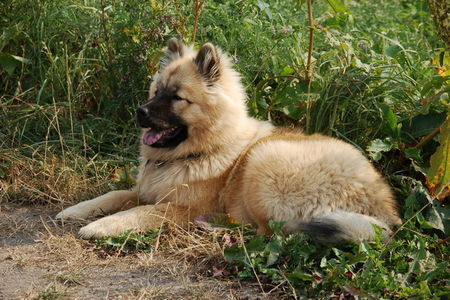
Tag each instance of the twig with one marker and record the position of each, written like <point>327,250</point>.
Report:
<point>46,227</point>
<point>124,243</point>
<point>389,241</point>
<point>241,235</point>
<point>159,233</point>
<point>289,283</point>
<point>443,241</point>
<point>428,138</point>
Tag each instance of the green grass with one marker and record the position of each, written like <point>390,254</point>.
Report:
<point>73,72</point>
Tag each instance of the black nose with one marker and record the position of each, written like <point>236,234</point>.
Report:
<point>143,115</point>
<point>142,112</point>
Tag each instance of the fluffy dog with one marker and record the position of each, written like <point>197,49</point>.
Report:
<point>201,152</point>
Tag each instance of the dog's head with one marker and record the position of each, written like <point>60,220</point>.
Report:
<point>194,96</point>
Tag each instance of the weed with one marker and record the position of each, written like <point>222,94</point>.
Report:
<point>50,293</point>
<point>69,279</point>
<point>130,242</point>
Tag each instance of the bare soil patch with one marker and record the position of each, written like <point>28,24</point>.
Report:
<point>42,259</point>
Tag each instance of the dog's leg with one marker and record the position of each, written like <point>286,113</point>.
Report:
<point>108,203</point>
<point>139,219</point>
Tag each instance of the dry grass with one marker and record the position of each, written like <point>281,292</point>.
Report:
<point>45,178</point>
<point>48,261</point>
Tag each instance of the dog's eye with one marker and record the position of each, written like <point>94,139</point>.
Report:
<point>178,98</point>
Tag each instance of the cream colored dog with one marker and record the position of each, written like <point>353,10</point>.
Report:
<point>201,152</point>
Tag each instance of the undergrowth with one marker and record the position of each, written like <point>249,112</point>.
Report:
<point>409,265</point>
<point>72,73</point>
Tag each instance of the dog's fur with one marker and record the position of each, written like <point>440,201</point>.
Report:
<point>227,161</point>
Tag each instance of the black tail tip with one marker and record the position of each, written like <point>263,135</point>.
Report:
<point>324,232</point>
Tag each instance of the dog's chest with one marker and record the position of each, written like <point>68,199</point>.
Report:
<point>178,184</point>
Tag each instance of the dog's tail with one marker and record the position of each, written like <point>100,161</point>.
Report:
<point>340,226</point>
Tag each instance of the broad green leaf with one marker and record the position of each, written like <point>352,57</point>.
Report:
<point>413,153</point>
<point>393,50</point>
<point>438,217</point>
<point>392,121</point>
<point>435,218</point>
<point>275,248</point>
<point>422,125</point>
<point>376,147</point>
<point>234,254</point>
<point>411,204</point>
<point>9,63</point>
<point>256,244</point>
<point>438,177</point>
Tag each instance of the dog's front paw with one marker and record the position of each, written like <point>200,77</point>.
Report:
<point>79,211</point>
<point>72,213</point>
<point>107,226</point>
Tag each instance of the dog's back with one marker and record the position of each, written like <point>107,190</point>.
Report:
<point>316,184</point>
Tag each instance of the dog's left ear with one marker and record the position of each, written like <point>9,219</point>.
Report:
<point>208,62</point>
<point>175,49</point>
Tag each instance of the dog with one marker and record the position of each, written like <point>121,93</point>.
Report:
<point>201,153</point>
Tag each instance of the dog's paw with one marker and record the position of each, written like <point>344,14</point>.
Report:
<point>81,211</point>
<point>107,226</point>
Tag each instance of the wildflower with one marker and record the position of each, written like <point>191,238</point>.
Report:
<point>287,29</point>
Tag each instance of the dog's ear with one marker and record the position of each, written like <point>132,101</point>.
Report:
<point>208,62</point>
<point>175,49</point>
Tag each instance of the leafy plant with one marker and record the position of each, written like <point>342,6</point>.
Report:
<point>129,241</point>
<point>367,270</point>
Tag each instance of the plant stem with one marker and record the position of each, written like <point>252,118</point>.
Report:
<point>428,138</point>
<point>311,40</point>
<point>105,32</point>
<point>198,6</point>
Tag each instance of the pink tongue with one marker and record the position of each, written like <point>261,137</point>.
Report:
<point>151,137</point>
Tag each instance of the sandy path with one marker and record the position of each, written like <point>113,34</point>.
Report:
<point>43,259</point>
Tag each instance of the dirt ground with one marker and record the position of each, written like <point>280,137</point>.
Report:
<point>43,259</point>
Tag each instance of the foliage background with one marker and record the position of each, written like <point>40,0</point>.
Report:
<point>73,72</point>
